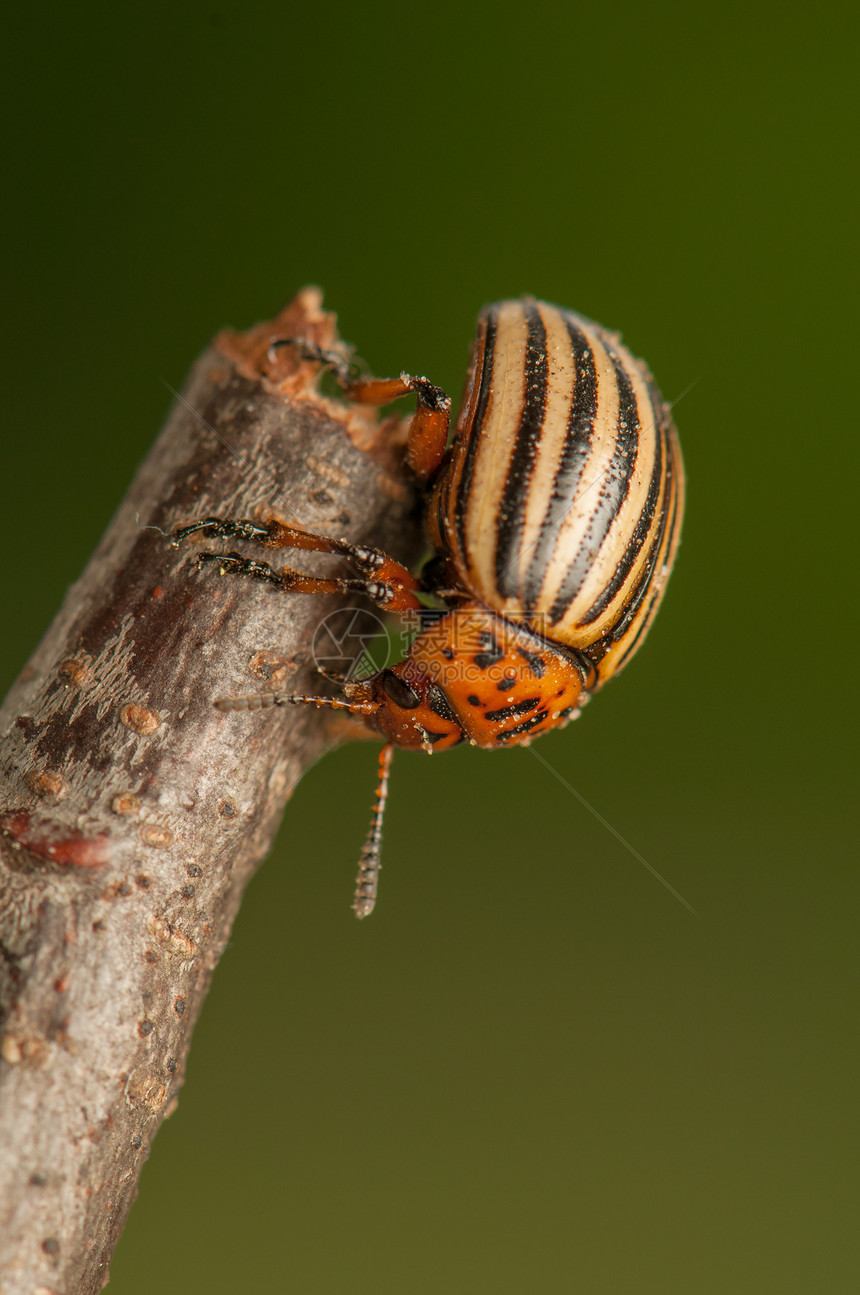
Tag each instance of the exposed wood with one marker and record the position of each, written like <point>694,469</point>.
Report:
<point>132,812</point>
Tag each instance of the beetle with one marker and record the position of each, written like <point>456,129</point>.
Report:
<point>553,515</point>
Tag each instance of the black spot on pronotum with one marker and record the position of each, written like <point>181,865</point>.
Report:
<point>526,726</point>
<point>432,737</point>
<point>511,712</point>
<point>535,663</point>
<point>491,653</point>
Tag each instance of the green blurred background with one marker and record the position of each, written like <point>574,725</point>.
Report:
<point>533,1069</point>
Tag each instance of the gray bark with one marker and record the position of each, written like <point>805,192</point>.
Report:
<point>132,812</point>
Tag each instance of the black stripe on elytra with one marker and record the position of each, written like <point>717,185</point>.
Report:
<point>611,493</point>
<point>511,712</point>
<point>512,510</point>
<point>640,611</point>
<point>668,523</point>
<point>461,500</point>
<point>641,529</point>
<point>490,654</point>
<point>572,460</point>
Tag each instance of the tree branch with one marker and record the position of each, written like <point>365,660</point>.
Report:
<point>132,812</point>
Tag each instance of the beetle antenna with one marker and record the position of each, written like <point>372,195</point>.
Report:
<point>367,882</point>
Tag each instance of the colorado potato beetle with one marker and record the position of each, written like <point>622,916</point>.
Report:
<point>554,516</point>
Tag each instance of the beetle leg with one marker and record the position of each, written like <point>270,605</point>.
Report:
<point>388,597</point>
<point>428,431</point>
<point>337,365</point>
<point>385,581</point>
<point>222,529</point>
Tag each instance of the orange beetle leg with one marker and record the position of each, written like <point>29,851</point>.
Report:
<point>380,577</point>
<point>428,431</point>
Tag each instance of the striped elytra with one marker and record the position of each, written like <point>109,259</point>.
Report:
<point>554,516</point>
<point>561,502</point>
